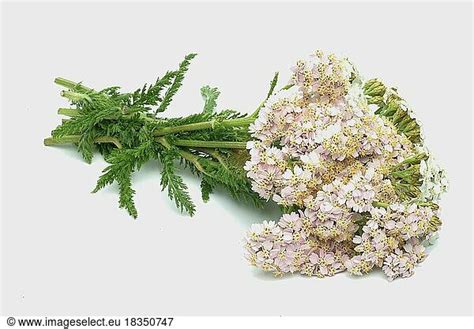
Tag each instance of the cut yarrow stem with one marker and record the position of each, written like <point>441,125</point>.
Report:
<point>343,157</point>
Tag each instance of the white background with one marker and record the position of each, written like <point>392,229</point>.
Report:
<point>66,251</point>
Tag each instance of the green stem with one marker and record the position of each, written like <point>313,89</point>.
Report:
<point>71,139</point>
<point>239,122</point>
<point>68,112</point>
<point>209,144</point>
<point>71,84</point>
<point>73,96</point>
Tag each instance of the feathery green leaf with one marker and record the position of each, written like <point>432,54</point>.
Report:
<point>177,82</point>
<point>177,190</point>
<point>210,96</point>
<point>122,164</point>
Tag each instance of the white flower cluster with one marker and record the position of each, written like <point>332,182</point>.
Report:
<point>435,181</point>
<point>320,150</point>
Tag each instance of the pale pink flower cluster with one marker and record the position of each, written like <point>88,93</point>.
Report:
<point>324,77</point>
<point>336,205</point>
<point>401,263</point>
<point>299,143</point>
<point>392,240</point>
<point>319,149</point>
<point>289,246</point>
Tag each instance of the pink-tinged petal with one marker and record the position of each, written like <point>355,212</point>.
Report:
<point>267,245</point>
<point>314,258</point>
<point>390,225</point>
<point>329,258</point>
<point>323,270</point>
<point>287,237</point>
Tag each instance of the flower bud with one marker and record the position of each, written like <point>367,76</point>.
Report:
<point>378,100</point>
<point>374,87</point>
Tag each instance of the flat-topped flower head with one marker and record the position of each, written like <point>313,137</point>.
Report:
<point>323,77</point>
<point>300,144</point>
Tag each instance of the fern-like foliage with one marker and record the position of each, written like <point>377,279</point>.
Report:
<point>122,164</point>
<point>207,187</point>
<point>177,82</point>
<point>226,169</point>
<point>151,95</point>
<point>210,96</point>
<point>85,124</point>
<point>177,190</point>
<point>126,129</point>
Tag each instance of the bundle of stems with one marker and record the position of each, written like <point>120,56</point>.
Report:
<point>128,129</point>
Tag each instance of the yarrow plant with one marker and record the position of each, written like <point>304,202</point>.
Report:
<point>343,157</point>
